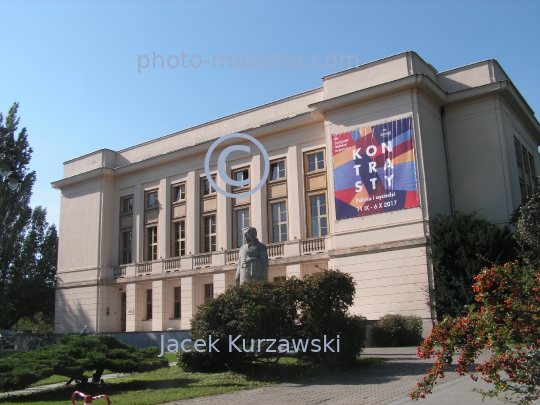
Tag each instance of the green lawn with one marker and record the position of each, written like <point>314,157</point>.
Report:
<point>170,384</point>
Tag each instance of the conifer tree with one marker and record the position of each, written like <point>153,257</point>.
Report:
<point>28,245</point>
<point>460,246</point>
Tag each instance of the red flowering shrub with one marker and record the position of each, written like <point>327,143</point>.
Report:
<point>506,322</point>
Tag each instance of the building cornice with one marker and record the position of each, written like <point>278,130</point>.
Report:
<point>82,177</point>
<point>360,96</point>
<point>285,124</point>
<point>505,88</point>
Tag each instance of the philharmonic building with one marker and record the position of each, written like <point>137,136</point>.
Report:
<point>357,168</point>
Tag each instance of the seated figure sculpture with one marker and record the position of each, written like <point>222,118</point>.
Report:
<point>252,259</point>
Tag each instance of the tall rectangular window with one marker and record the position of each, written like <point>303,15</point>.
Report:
<point>319,216</point>
<point>149,304</point>
<point>279,221</point>
<point>126,246</point>
<point>151,243</point>
<point>241,175</point>
<point>526,170</point>
<point>277,202</point>
<point>207,188</point>
<point>180,238</point>
<point>208,292</point>
<point>177,302</point>
<point>126,206</point>
<point>152,200</point>
<point>179,193</point>
<point>315,183</point>
<point>242,221</point>
<point>209,233</point>
<point>126,227</point>
<point>277,170</point>
<point>315,161</point>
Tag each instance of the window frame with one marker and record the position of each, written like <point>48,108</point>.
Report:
<point>234,176</point>
<point>238,231</point>
<point>123,249</point>
<point>147,199</point>
<point>526,169</point>
<point>212,191</point>
<point>176,187</point>
<point>271,220</point>
<point>310,215</point>
<point>315,192</point>
<point>130,205</point>
<point>176,248</point>
<point>277,162</point>
<point>151,246</point>
<point>307,154</point>
<point>177,302</point>
<point>210,235</point>
<point>149,309</point>
<point>208,292</point>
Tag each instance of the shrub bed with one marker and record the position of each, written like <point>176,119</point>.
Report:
<point>394,330</point>
<point>273,316</point>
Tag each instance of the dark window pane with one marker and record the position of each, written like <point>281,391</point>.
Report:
<point>311,162</point>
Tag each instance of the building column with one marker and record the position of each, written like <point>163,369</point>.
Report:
<point>223,216</point>
<point>131,304</point>
<point>256,203</point>
<point>138,224</point>
<point>159,305</point>
<point>188,301</point>
<point>256,209</point>
<point>164,223</point>
<point>192,213</point>
<point>295,197</point>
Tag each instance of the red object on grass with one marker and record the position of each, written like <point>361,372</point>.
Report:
<point>88,398</point>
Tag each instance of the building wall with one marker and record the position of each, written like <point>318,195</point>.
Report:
<point>385,253</point>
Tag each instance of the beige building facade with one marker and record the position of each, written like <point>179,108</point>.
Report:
<point>145,239</point>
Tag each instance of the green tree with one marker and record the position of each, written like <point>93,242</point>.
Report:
<point>28,245</point>
<point>460,246</point>
<point>505,324</point>
<point>73,357</point>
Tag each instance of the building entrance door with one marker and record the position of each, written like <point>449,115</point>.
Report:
<point>123,313</point>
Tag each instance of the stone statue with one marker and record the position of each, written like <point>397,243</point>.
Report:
<point>252,259</point>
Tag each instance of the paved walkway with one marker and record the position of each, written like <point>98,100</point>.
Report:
<point>388,383</point>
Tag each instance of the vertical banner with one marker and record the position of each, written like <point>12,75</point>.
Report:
<point>374,170</point>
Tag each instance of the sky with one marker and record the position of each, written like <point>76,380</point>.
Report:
<point>86,78</point>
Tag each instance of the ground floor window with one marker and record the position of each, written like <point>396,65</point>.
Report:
<point>149,304</point>
<point>208,292</point>
<point>177,302</point>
